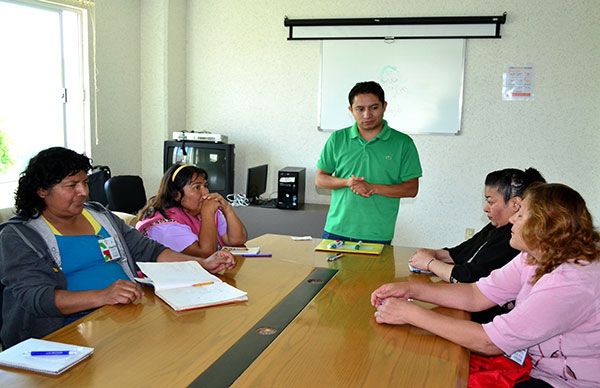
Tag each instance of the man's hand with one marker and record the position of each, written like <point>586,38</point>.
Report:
<point>121,292</point>
<point>218,261</point>
<point>359,186</point>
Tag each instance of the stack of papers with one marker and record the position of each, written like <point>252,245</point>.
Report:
<point>50,357</point>
<point>186,285</point>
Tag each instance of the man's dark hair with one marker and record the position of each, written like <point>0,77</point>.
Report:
<point>44,170</point>
<point>369,87</point>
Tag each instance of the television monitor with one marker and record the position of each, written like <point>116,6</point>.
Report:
<point>217,159</point>
<point>256,184</point>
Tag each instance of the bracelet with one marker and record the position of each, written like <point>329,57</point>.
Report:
<point>429,262</point>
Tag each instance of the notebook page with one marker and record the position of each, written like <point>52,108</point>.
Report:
<point>193,297</point>
<point>176,274</point>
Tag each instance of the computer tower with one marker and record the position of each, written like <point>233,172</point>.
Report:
<point>291,182</point>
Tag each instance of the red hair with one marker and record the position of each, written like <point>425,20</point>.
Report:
<point>560,227</point>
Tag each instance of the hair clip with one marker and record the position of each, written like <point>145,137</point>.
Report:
<point>177,171</point>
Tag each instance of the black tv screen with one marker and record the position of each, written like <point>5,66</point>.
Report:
<point>217,159</point>
<point>256,184</point>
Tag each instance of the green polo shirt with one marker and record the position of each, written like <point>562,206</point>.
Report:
<point>389,158</point>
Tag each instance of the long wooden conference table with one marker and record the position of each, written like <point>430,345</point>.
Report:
<point>307,322</point>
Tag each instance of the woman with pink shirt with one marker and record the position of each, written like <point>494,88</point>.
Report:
<point>186,217</point>
<point>555,281</point>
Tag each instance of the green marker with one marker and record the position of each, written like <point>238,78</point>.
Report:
<point>357,245</point>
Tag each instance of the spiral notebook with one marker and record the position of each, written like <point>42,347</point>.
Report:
<point>186,285</point>
<point>20,356</point>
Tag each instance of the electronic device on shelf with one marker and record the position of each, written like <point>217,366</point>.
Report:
<point>200,136</point>
<point>217,159</point>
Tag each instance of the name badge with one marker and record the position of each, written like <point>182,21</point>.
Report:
<point>518,356</point>
<point>109,249</point>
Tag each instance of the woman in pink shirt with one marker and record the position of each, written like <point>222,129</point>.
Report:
<point>555,281</point>
<point>186,217</point>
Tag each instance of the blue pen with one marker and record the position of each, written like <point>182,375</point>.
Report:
<point>51,353</point>
<point>256,255</point>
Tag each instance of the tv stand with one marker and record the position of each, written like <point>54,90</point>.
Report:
<point>268,203</point>
<point>307,221</point>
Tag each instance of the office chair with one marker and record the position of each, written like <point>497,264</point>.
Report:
<point>96,180</point>
<point>125,193</point>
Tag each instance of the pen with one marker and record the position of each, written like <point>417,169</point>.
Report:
<point>335,244</point>
<point>202,284</point>
<point>334,257</point>
<point>256,255</point>
<point>357,245</point>
<point>51,352</point>
<point>235,249</point>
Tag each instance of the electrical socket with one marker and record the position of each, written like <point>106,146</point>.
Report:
<point>469,232</point>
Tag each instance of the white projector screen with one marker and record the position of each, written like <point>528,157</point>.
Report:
<point>422,80</point>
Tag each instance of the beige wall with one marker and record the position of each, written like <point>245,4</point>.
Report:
<point>245,80</point>
<point>118,96</point>
<point>141,60</point>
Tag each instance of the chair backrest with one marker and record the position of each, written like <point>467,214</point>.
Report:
<point>96,180</point>
<point>125,193</point>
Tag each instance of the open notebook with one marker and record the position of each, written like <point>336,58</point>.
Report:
<point>186,285</point>
<point>19,356</point>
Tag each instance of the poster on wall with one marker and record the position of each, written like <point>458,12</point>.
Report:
<point>517,83</point>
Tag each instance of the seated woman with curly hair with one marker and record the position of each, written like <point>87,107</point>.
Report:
<point>61,257</point>
<point>555,281</point>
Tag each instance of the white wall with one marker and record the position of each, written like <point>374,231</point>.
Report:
<point>141,60</point>
<point>245,80</point>
<point>118,97</point>
<point>163,47</point>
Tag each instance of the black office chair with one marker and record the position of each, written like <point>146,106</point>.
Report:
<point>96,180</point>
<point>125,193</point>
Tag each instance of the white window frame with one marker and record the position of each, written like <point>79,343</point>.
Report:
<point>79,109</point>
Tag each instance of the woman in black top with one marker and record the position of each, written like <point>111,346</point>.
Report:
<point>489,248</point>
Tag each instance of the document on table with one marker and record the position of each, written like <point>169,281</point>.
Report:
<point>186,285</point>
<point>44,356</point>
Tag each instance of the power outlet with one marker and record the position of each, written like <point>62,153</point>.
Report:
<point>469,232</point>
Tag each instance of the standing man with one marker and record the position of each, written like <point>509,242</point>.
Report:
<point>369,167</point>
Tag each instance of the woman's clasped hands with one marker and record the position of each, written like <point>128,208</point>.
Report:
<point>393,303</point>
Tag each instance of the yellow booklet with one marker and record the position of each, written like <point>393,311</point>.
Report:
<point>350,247</point>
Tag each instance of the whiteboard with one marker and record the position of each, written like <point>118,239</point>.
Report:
<point>422,80</point>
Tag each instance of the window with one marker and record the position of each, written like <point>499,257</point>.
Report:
<point>44,83</point>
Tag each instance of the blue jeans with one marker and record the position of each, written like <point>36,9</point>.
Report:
<point>331,236</point>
